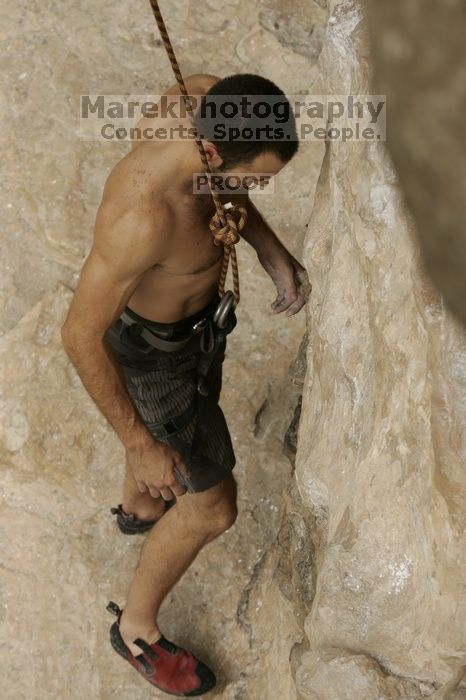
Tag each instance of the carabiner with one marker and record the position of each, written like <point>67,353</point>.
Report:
<point>223,309</point>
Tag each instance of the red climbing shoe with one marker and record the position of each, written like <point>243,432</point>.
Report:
<point>164,664</point>
<point>130,524</point>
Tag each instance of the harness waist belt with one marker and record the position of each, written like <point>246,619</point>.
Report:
<point>160,343</point>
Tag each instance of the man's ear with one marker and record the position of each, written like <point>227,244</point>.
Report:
<point>213,157</point>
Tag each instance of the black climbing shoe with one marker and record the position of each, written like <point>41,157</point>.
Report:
<point>130,524</point>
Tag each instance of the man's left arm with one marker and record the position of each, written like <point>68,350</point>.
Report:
<point>287,273</point>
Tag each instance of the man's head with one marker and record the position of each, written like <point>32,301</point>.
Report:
<point>247,125</point>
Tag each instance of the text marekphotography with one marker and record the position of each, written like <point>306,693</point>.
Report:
<point>114,118</point>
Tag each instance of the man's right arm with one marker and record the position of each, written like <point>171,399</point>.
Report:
<point>124,248</point>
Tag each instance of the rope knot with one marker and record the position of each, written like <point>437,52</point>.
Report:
<point>228,234</point>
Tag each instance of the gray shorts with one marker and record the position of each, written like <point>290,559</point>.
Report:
<point>162,384</point>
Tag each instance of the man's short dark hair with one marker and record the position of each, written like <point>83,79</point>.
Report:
<point>245,115</point>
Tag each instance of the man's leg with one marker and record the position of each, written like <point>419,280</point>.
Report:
<point>171,546</point>
<point>143,505</point>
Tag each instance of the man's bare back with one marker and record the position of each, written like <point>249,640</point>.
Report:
<point>154,177</point>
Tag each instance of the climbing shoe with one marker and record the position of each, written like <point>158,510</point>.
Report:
<point>163,663</point>
<point>130,524</point>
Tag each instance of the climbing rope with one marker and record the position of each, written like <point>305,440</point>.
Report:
<point>225,224</point>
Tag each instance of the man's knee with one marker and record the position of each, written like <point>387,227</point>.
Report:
<point>224,517</point>
<point>214,509</point>
<point>220,521</point>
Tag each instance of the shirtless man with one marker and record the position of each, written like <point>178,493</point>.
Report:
<point>154,254</point>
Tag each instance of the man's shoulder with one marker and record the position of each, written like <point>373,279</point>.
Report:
<point>132,203</point>
<point>134,181</point>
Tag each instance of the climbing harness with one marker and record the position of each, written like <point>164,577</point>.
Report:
<point>162,339</point>
<point>228,219</point>
<point>156,339</point>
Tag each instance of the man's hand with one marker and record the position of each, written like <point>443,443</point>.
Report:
<point>153,467</point>
<point>288,275</point>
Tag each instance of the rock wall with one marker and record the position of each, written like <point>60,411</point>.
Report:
<point>369,562</point>
<point>420,63</point>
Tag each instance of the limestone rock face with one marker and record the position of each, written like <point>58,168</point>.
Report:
<point>381,441</point>
<point>420,64</point>
<point>299,24</point>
